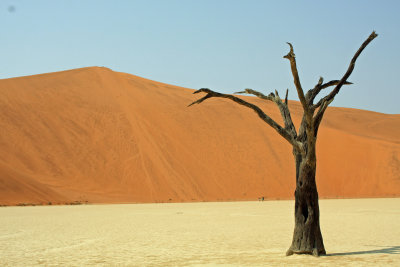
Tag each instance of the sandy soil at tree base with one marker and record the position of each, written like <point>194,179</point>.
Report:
<point>357,232</point>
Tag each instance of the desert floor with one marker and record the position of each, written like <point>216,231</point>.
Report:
<point>364,232</point>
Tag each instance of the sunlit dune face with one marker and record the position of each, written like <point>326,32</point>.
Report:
<point>98,136</point>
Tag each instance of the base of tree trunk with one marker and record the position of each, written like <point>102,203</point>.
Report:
<point>315,252</point>
<point>307,237</point>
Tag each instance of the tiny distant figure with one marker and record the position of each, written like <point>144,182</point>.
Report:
<point>261,199</point>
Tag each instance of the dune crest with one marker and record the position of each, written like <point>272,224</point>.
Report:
<point>96,135</point>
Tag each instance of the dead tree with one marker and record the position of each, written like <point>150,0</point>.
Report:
<point>307,237</point>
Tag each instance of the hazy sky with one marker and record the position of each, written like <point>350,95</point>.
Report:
<point>223,45</point>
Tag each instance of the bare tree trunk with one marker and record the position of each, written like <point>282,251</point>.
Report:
<point>307,237</point>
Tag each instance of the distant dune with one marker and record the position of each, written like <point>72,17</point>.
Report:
<point>100,136</point>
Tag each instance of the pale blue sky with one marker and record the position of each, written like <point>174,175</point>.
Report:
<point>225,45</point>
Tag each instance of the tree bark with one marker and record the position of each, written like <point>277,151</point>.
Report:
<point>307,237</point>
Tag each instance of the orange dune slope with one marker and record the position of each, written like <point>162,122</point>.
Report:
<point>100,136</point>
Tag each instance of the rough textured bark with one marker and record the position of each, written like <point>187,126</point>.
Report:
<point>307,237</point>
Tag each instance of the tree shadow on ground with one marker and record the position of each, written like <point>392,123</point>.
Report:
<point>386,250</point>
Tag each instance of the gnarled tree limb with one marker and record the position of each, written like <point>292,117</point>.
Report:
<point>292,58</point>
<point>283,107</point>
<point>282,131</point>
<point>325,101</point>
<point>350,69</point>
<point>312,93</point>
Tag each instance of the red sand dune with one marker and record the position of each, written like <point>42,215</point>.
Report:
<point>96,135</point>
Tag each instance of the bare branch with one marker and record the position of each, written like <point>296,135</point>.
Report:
<point>332,83</point>
<point>200,100</point>
<point>312,93</point>
<point>350,69</point>
<point>256,93</point>
<point>283,132</point>
<point>292,58</point>
<point>286,97</point>
<point>320,81</point>
<point>283,108</point>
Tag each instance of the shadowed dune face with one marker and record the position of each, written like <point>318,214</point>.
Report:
<point>95,135</point>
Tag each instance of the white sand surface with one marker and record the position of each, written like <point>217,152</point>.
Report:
<point>357,232</point>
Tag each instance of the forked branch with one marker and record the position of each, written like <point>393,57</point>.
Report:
<point>282,131</point>
<point>312,93</point>
<point>283,107</point>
